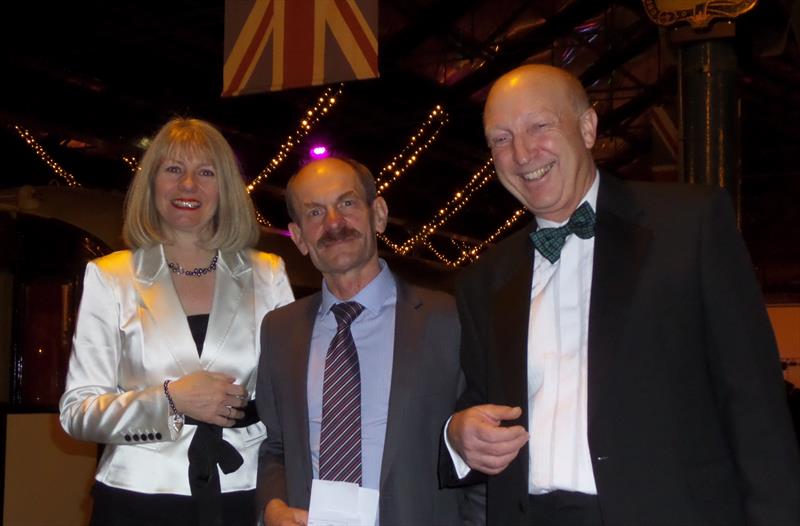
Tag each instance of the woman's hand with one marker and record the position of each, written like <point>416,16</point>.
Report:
<point>209,397</point>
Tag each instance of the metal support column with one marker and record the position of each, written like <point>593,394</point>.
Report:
<point>709,107</point>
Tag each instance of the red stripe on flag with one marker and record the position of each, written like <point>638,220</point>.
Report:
<point>298,43</point>
<point>358,34</point>
<point>250,54</point>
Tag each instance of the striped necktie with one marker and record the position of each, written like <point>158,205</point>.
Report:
<point>340,437</point>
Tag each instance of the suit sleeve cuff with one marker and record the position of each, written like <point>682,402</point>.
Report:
<point>461,467</point>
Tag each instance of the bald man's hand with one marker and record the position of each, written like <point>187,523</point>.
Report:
<point>476,434</point>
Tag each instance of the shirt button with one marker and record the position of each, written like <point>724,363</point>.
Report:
<point>136,437</point>
<point>158,436</point>
<point>127,438</point>
<point>150,436</point>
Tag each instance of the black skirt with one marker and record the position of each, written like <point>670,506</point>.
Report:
<point>119,507</point>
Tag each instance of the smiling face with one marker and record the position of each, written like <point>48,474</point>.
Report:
<point>335,225</point>
<point>186,191</point>
<point>541,131</point>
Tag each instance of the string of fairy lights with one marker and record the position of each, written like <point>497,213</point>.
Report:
<point>132,163</point>
<point>471,254</point>
<point>312,116</point>
<point>418,143</point>
<point>44,156</point>
<point>263,220</point>
<point>459,200</point>
<point>467,254</point>
<point>398,166</point>
<point>453,206</point>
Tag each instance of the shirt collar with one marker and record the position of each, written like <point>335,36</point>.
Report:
<point>372,297</point>
<point>590,197</point>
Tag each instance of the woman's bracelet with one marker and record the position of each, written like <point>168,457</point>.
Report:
<point>176,418</point>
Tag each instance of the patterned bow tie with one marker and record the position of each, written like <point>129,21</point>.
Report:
<point>550,241</point>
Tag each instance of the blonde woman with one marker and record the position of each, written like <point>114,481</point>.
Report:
<point>164,357</point>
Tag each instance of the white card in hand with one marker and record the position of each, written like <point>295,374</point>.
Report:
<point>342,504</point>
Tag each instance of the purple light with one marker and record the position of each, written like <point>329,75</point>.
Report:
<point>319,152</point>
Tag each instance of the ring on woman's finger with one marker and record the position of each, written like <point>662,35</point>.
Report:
<point>229,410</point>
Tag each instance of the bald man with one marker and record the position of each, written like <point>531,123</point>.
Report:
<point>621,368</point>
<point>406,370</point>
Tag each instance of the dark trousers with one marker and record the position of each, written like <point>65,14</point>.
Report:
<point>564,508</point>
<point>119,507</point>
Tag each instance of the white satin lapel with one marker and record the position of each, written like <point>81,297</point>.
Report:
<point>164,324</point>
<point>233,303</point>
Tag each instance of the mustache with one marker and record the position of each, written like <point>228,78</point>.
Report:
<point>333,236</point>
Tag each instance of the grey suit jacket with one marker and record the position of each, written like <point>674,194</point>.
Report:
<point>426,381</point>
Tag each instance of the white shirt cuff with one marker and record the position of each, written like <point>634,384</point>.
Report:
<point>462,469</point>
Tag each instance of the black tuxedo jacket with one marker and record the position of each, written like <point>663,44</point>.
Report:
<point>687,417</point>
<point>426,382</point>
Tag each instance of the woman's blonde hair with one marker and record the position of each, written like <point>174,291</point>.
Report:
<point>234,224</point>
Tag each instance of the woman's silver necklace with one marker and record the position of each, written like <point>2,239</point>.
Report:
<point>196,272</point>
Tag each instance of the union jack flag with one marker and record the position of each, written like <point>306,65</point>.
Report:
<point>278,44</point>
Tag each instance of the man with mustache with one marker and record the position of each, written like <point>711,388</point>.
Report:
<point>355,382</point>
<point>620,365</point>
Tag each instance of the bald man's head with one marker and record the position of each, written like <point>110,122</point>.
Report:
<point>562,80</point>
<point>365,177</point>
<point>541,128</point>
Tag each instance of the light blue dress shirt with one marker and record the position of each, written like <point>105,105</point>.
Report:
<point>373,333</point>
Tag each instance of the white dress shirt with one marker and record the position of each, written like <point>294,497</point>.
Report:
<point>558,329</point>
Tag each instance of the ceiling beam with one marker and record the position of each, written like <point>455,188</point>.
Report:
<point>537,39</point>
<point>421,25</point>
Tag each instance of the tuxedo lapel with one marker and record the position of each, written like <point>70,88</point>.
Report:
<point>509,311</point>
<point>232,276</point>
<point>620,246</point>
<point>163,315</point>
<point>408,341</point>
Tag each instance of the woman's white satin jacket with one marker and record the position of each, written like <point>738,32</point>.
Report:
<point>132,334</point>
